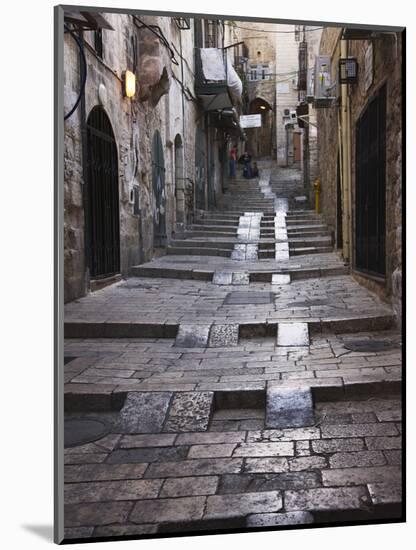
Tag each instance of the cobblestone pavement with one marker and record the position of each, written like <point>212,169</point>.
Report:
<point>175,301</point>
<point>234,394</point>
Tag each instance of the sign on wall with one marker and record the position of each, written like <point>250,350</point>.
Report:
<point>250,121</point>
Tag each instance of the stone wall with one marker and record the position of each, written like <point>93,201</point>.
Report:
<point>157,106</point>
<point>387,70</point>
<point>387,67</point>
<point>328,136</point>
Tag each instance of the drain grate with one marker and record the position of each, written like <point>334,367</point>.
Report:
<point>248,298</point>
<point>370,345</point>
<point>81,431</point>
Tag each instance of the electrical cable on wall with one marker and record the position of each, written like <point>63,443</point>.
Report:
<point>273,32</point>
<point>83,63</point>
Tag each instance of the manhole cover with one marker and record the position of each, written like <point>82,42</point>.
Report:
<point>81,431</point>
<point>369,345</point>
<point>245,298</point>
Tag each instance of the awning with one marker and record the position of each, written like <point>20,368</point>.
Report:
<point>215,102</point>
<point>219,86</point>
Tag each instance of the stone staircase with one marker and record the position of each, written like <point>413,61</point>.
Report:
<point>307,234</point>
<point>215,233</point>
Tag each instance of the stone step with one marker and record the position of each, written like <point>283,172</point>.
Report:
<point>218,222</point>
<point>262,276</point>
<point>210,233</point>
<point>203,243</point>
<point>310,241</point>
<point>303,222</point>
<point>131,329</point>
<point>213,228</point>
<point>198,251</point>
<point>310,250</point>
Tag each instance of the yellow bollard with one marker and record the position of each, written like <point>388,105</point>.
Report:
<point>317,188</point>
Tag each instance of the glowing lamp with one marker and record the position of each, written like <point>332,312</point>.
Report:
<point>129,80</point>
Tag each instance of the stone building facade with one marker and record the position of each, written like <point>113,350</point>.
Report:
<point>368,204</point>
<point>288,134</point>
<point>261,88</point>
<point>149,190</point>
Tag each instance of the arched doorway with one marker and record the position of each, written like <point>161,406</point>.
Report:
<point>159,197</point>
<point>103,216</point>
<point>261,138</point>
<point>200,169</point>
<point>179,184</point>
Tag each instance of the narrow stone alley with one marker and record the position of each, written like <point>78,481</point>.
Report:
<point>244,379</point>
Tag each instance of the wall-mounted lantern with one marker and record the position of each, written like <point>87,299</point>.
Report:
<point>129,84</point>
<point>348,70</point>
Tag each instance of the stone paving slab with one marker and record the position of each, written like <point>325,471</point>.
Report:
<point>198,389</point>
<point>132,307</point>
<point>292,334</point>
<point>157,366</point>
<point>289,408</point>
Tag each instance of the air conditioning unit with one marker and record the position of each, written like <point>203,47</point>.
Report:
<point>286,112</point>
<point>323,85</point>
<point>293,115</point>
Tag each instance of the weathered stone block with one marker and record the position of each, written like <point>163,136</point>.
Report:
<point>337,445</point>
<point>211,451</point>
<point>358,430</point>
<point>385,493</point>
<point>307,463</point>
<point>196,467</point>
<point>266,465</point>
<point>192,336</point>
<point>357,459</point>
<point>189,486</point>
<point>222,278</point>
<point>360,476</point>
<point>223,336</point>
<point>329,499</point>
<point>292,334</point>
<point>111,490</point>
<point>264,449</point>
<point>168,510</point>
<point>189,411</point>
<point>289,407</point>
<point>96,513</point>
<point>272,520</point>
<point>103,472</point>
<point>228,506</point>
<point>144,412</point>
<point>384,442</point>
<point>147,440</point>
<point>209,438</point>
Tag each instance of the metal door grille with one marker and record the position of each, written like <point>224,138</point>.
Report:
<point>103,210</point>
<point>159,198</point>
<point>200,170</point>
<point>370,213</point>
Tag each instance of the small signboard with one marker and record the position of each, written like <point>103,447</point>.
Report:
<point>250,121</point>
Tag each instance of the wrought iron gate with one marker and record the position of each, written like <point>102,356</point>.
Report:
<point>103,216</point>
<point>200,169</point>
<point>159,196</point>
<point>370,188</point>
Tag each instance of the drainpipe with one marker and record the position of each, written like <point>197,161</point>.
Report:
<point>346,165</point>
